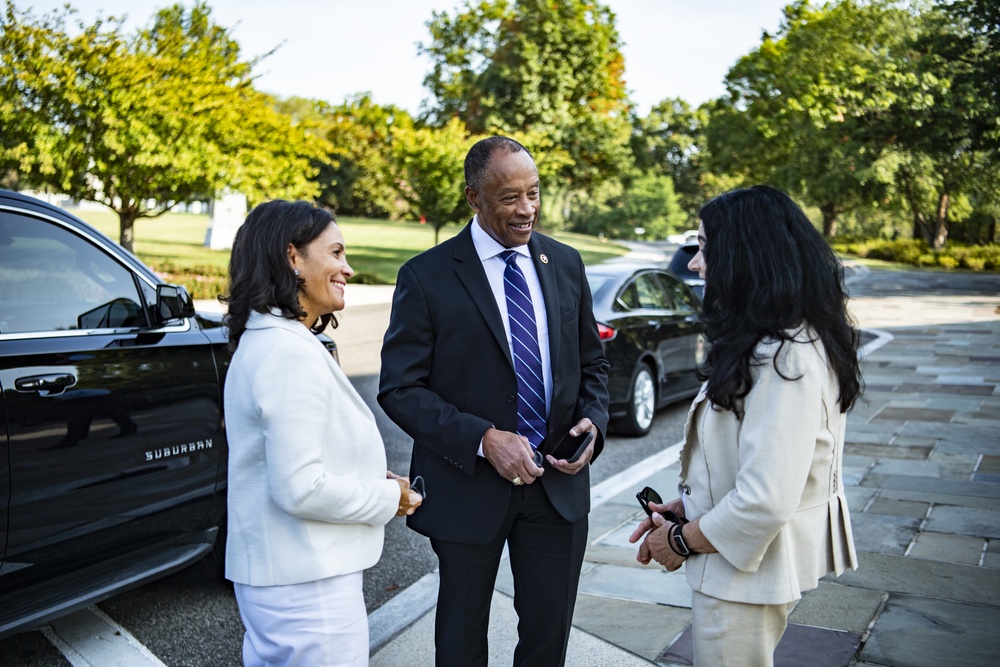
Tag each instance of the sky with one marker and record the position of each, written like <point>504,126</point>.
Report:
<point>334,49</point>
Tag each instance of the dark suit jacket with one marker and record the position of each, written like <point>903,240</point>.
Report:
<point>447,376</point>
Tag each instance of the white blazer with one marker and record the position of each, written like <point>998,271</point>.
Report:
<point>308,496</point>
<point>769,487</point>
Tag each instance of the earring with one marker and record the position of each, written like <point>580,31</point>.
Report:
<point>296,271</point>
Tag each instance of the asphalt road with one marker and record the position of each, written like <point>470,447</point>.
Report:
<point>191,618</point>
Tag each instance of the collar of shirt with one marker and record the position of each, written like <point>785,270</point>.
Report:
<point>487,246</point>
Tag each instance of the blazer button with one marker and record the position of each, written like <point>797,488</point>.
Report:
<point>683,489</point>
<point>511,398</point>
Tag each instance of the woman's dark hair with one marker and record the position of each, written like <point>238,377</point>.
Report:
<point>260,277</point>
<point>768,272</point>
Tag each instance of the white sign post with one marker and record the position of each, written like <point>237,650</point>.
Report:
<point>225,216</point>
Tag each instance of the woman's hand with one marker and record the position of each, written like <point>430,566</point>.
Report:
<point>408,500</point>
<point>676,506</point>
<point>656,546</point>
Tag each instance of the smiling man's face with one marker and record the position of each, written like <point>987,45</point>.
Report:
<point>509,200</point>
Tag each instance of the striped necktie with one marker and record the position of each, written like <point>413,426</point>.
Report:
<point>527,359</point>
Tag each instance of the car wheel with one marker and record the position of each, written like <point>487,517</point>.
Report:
<point>641,405</point>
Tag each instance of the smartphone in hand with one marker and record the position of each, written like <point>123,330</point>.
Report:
<point>572,447</point>
<point>648,495</point>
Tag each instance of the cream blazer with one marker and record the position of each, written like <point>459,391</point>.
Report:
<point>307,495</point>
<point>768,487</point>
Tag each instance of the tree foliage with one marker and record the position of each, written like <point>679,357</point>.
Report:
<point>798,105</point>
<point>536,66</point>
<point>141,121</point>
<point>361,178</point>
<point>430,163</point>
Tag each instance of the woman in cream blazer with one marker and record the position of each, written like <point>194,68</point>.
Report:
<point>762,506</point>
<point>308,490</point>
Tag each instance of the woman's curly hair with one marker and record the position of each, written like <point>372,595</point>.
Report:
<point>768,273</point>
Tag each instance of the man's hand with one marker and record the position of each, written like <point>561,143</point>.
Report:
<point>565,466</point>
<point>511,455</point>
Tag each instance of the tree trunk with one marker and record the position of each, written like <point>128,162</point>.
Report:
<point>437,231</point>
<point>941,223</point>
<point>829,220</point>
<point>126,228</point>
<point>921,230</point>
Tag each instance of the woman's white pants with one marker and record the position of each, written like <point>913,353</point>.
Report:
<point>312,624</point>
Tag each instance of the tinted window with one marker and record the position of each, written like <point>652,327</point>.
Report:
<point>646,292</point>
<point>680,296</point>
<point>51,279</point>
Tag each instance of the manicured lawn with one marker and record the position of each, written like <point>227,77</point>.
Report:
<point>173,245</point>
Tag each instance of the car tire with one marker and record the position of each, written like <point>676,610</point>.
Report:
<point>641,407</point>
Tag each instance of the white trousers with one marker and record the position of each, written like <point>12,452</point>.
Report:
<point>313,624</point>
<point>735,634</point>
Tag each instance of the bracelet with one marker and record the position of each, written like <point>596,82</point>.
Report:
<point>677,542</point>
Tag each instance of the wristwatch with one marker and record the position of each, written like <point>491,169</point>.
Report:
<point>677,542</point>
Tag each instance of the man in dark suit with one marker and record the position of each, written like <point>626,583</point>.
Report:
<point>451,379</point>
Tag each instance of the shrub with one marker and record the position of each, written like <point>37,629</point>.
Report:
<point>906,251</point>
<point>974,263</point>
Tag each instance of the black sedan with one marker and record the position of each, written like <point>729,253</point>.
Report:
<point>648,320</point>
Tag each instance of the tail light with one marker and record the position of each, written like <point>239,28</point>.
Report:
<point>605,332</point>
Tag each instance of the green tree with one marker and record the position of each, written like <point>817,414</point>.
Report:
<point>141,122</point>
<point>430,163</point>
<point>945,136</point>
<point>646,202</point>
<point>670,141</point>
<point>360,178</point>
<point>550,68</point>
<point>797,105</point>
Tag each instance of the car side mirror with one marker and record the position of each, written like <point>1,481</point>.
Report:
<point>172,303</point>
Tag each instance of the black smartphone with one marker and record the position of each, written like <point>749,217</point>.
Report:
<point>571,447</point>
<point>648,495</point>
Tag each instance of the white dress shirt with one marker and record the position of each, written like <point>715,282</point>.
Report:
<point>489,253</point>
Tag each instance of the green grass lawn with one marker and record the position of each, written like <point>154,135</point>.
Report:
<point>173,245</point>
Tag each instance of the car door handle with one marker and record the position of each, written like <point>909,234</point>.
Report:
<point>55,382</point>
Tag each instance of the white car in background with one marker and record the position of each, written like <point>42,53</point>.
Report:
<point>690,236</point>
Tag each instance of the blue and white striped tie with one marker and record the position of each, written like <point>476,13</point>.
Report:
<point>527,359</point>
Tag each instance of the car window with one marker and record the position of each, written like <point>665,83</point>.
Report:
<point>650,293</point>
<point>680,296</point>
<point>52,279</point>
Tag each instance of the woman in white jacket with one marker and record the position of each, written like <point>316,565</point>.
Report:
<point>762,514</point>
<point>308,492</point>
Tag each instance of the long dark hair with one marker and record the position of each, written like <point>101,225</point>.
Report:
<point>260,277</point>
<point>769,272</point>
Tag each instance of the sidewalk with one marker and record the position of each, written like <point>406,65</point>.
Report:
<point>922,467</point>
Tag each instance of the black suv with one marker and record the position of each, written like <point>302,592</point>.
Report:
<point>112,450</point>
<point>679,265</point>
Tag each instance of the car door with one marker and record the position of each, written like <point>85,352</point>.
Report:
<point>648,324</point>
<point>686,347</point>
<point>114,424</point>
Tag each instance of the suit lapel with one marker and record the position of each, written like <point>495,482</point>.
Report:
<point>469,270</point>
<point>543,258</point>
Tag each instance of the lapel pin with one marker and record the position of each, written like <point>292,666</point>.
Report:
<point>544,258</point>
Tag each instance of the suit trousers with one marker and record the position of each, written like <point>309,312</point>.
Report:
<point>736,634</point>
<point>546,554</point>
<point>313,624</point>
